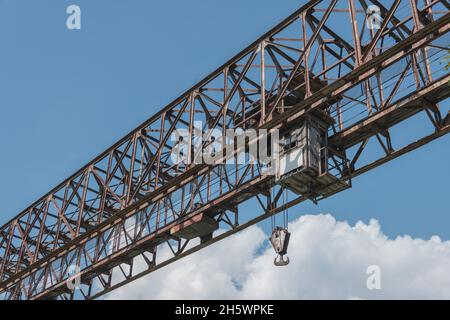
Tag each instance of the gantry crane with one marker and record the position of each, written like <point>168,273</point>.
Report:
<point>342,81</point>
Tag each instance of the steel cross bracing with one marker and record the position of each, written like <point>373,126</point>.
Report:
<point>110,217</point>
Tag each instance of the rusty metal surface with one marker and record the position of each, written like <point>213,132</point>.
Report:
<point>118,208</point>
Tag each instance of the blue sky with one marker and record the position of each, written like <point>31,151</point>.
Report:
<point>68,95</point>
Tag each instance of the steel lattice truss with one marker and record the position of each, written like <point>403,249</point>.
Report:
<point>111,216</point>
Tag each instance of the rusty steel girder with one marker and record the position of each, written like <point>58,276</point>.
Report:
<point>110,217</point>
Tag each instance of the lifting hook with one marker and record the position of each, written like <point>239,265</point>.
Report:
<point>280,261</point>
<point>280,241</point>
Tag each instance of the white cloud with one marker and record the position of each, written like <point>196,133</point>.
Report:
<point>329,260</point>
